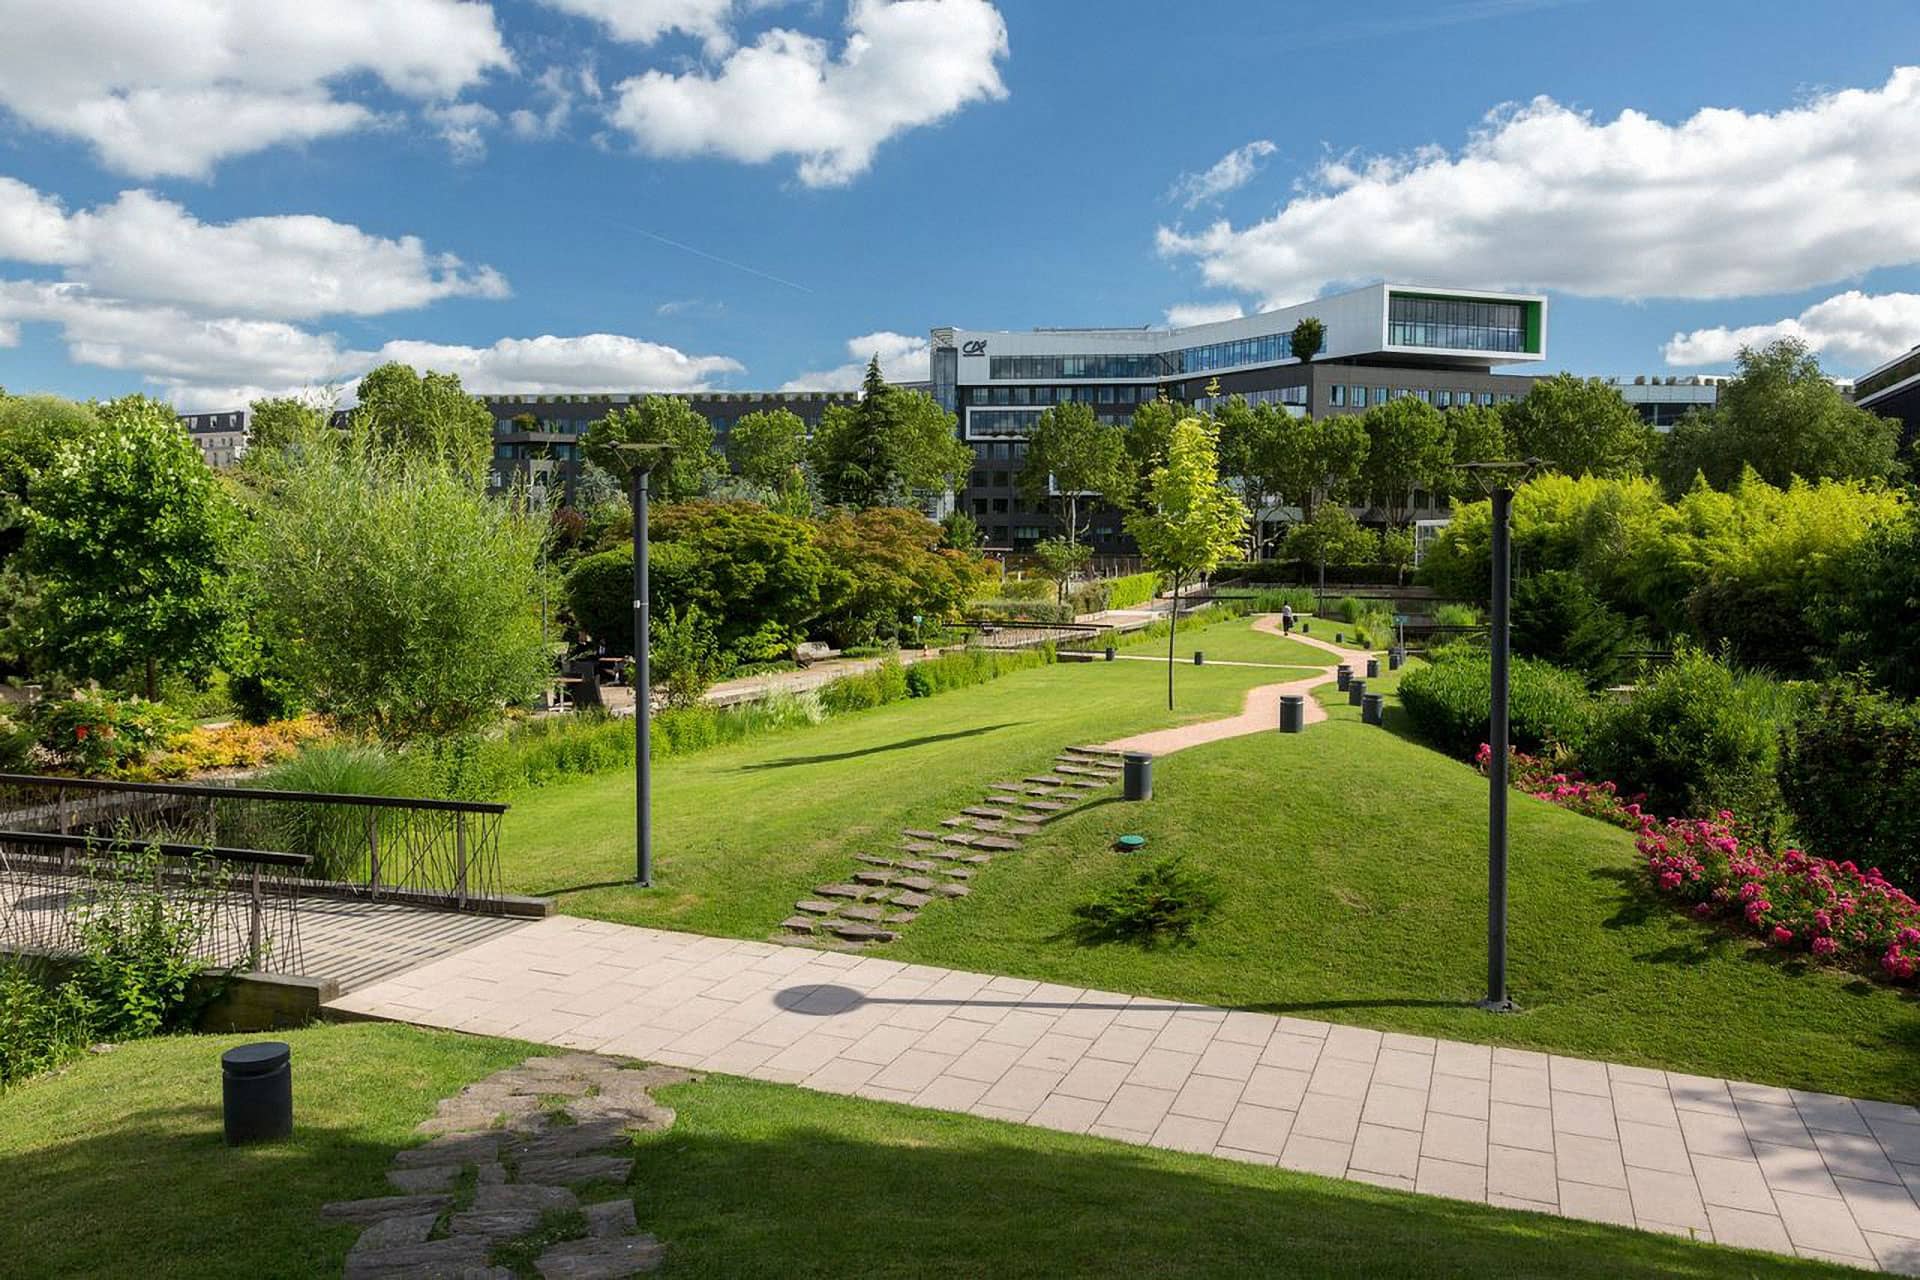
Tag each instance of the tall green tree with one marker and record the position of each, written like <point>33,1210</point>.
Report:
<point>1578,426</point>
<point>1408,448</point>
<point>1308,338</point>
<point>1784,418</point>
<point>1258,451</point>
<point>1192,520</point>
<point>278,422</point>
<point>767,447</point>
<point>1319,459</point>
<point>131,536</point>
<point>691,469</point>
<point>1072,457</point>
<point>426,414</point>
<point>1148,433</point>
<point>1059,561</point>
<point>888,447</point>
<point>393,594</point>
<point>1475,433</point>
<point>33,429</point>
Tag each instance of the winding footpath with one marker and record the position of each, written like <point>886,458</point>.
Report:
<point>1260,712</point>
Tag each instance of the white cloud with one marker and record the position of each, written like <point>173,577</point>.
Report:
<point>1183,314</point>
<point>556,90</point>
<point>1723,204</point>
<point>645,21</point>
<point>224,362</point>
<point>172,87</point>
<point>463,126</point>
<point>1862,329</point>
<point>590,362</point>
<point>143,247</point>
<point>9,334</point>
<point>1229,173</point>
<point>906,63</point>
<point>903,358</point>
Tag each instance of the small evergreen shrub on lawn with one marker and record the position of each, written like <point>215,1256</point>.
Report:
<point>1164,902</point>
<point>1849,773</point>
<point>1450,700</point>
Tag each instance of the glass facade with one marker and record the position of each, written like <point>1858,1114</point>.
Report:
<point>1455,324</point>
<point>1899,371</point>
<point>1000,368</point>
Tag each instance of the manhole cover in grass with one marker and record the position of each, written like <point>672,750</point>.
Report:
<point>1130,844</point>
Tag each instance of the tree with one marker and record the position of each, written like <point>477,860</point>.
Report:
<point>1331,537</point>
<point>132,536</point>
<point>1059,561</point>
<point>1308,338</point>
<point>893,567</point>
<point>1192,521</point>
<point>1256,450</point>
<point>959,531</point>
<point>1320,458</point>
<point>1147,435</point>
<point>881,451</point>
<point>691,469</point>
<point>1784,418</point>
<point>767,447</point>
<point>397,596</point>
<point>276,423</point>
<point>762,577</point>
<point>1396,550</point>
<point>1557,619</point>
<point>1871,612</point>
<point>426,414</point>
<point>1407,449</point>
<point>33,429</point>
<point>1073,455</point>
<point>1579,426</point>
<point>1476,433</point>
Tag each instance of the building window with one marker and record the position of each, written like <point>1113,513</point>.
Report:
<point>1000,506</point>
<point>1000,479</point>
<point>1456,324</point>
<point>1443,399</point>
<point>979,479</point>
<point>1021,395</point>
<point>979,506</point>
<point>1380,395</point>
<point>976,395</point>
<point>1337,395</point>
<point>1104,395</point>
<point>1486,398</point>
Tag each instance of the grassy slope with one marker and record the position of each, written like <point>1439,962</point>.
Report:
<point>116,1166</point>
<point>1236,640</point>
<point>761,1180</point>
<point>1356,892</point>
<point>743,831</point>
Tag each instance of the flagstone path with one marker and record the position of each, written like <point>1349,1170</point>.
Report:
<point>1744,1164</point>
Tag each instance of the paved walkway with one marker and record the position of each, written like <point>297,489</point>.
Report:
<point>1260,712</point>
<point>1743,1164</point>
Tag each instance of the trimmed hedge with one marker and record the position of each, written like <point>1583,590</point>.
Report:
<point>1450,700</point>
<point>1849,773</point>
<point>1134,589</point>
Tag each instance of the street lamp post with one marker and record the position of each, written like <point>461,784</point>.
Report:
<point>1496,480</point>
<point>642,460</point>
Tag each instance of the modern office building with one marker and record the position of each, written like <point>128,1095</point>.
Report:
<point>220,437</point>
<point>1663,400</point>
<point>1383,341</point>
<point>536,438</point>
<point>1893,391</point>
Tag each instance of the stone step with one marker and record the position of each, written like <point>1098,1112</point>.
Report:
<point>1004,843</point>
<point>868,914</point>
<point>919,846</point>
<point>798,924</point>
<point>913,884</point>
<point>854,931</point>
<point>839,891</point>
<point>915,864</point>
<point>1046,779</point>
<point>914,834</point>
<point>873,877</point>
<point>910,900</point>
<point>982,811</point>
<point>903,917</point>
<point>1084,771</point>
<point>1086,784</point>
<point>954,891</point>
<point>1044,806</point>
<point>873,860</point>
<point>1006,786</point>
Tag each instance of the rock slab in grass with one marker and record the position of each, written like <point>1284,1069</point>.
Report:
<point>369,1211</point>
<point>917,884</point>
<point>868,914</point>
<point>799,924</point>
<point>611,1218</point>
<point>396,1232</point>
<point>814,907</point>
<point>872,877</point>
<point>432,1177</point>
<point>954,891</point>
<point>459,1148</point>
<point>454,1258</point>
<point>576,1169</point>
<point>839,891</point>
<point>607,1259</point>
<point>912,901</point>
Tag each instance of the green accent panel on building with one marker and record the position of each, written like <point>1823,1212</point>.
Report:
<point>1535,316</point>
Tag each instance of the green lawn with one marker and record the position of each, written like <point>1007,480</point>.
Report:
<point>743,831</point>
<point>1353,863</point>
<point>115,1167</point>
<point>1235,640</point>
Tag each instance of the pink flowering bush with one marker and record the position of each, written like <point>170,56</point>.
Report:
<point>1831,910</point>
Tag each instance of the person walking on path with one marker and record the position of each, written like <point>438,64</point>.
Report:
<point>1286,619</point>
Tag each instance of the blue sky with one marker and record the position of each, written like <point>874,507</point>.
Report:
<point>209,199</point>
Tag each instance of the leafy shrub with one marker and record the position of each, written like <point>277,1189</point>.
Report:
<point>42,1024</point>
<point>1090,597</point>
<point>1849,773</point>
<point>334,836</point>
<point>1164,902</point>
<point>1020,611</point>
<point>232,746</point>
<point>141,944</point>
<point>885,683</point>
<point>685,656</point>
<point>1557,619</point>
<point>1457,615</point>
<point>1450,701</point>
<point>16,744</point>
<point>1134,589</point>
<point>98,734</point>
<point>1696,738</point>
<point>1026,589</point>
<point>1348,609</point>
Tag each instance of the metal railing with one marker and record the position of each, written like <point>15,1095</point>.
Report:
<point>234,908</point>
<point>434,853</point>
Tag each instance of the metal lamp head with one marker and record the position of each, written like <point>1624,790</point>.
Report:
<point>1489,477</point>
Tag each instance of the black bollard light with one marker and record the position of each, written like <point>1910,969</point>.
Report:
<point>1373,667</point>
<point>256,1092</point>
<point>1373,708</point>
<point>1137,775</point>
<point>1199,658</point>
<point>1356,690</point>
<point>1342,676</point>
<point>1293,713</point>
<point>1111,653</point>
